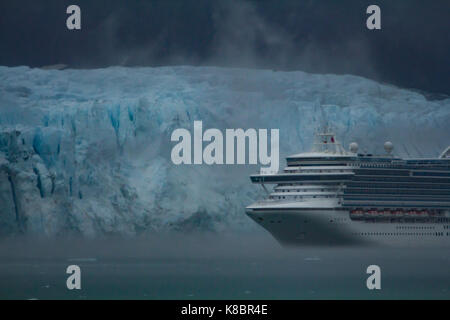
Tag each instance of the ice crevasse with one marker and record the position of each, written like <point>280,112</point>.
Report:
<point>88,151</point>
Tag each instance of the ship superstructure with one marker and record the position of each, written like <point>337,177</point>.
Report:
<point>331,196</point>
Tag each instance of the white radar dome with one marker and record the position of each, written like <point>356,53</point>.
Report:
<point>388,146</point>
<point>354,147</point>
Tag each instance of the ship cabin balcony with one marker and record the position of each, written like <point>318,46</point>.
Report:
<point>316,177</point>
<point>318,169</point>
<point>301,197</point>
<point>284,188</point>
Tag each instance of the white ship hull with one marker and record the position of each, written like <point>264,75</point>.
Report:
<point>333,227</point>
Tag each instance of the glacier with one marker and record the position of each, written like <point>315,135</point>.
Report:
<point>87,152</point>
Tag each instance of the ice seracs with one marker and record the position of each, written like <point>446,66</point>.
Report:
<point>217,149</point>
<point>99,141</point>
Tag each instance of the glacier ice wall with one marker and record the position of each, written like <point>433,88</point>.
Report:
<point>88,151</point>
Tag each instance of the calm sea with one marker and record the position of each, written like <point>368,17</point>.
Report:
<point>251,266</point>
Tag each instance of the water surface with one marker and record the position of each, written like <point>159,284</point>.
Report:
<point>216,267</point>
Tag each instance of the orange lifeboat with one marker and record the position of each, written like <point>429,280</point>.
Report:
<point>372,213</point>
<point>398,213</point>
<point>423,213</point>
<point>386,213</point>
<point>412,214</point>
<point>356,213</point>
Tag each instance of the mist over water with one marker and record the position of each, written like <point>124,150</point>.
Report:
<point>215,266</point>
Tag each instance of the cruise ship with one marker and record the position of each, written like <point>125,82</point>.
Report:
<point>331,196</point>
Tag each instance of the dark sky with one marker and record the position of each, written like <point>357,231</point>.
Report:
<point>323,36</point>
